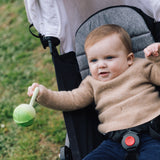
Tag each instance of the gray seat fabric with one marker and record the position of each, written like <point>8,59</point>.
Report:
<point>123,16</point>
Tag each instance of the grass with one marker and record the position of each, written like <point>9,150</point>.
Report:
<point>22,62</point>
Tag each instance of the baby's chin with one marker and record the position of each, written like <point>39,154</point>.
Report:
<point>104,79</point>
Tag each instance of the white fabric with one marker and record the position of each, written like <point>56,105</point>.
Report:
<point>44,14</point>
<point>61,18</point>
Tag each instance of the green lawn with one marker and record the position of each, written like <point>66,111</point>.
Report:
<point>22,62</point>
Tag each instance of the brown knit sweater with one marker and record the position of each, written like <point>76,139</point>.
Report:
<point>123,102</point>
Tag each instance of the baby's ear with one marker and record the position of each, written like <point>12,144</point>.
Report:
<point>130,58</point>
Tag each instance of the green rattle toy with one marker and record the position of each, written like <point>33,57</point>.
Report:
<point>24,114</point>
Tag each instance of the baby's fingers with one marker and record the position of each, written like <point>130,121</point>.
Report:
<point>155,53</point>
<point>147,52</point>
<point>152,50</point>
<point>31,89</point>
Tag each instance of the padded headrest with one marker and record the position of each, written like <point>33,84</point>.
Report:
<point>125,17</point>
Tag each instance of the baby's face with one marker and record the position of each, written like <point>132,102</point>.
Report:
<point>108,58</point>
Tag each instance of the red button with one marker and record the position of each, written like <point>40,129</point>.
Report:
<point>129,141</point>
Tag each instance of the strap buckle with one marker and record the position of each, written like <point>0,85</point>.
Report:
<point>130,141</point>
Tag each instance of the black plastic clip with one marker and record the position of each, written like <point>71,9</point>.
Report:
<point>130,141</point>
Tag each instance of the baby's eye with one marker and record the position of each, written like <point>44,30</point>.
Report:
<point>109,57</point>
<point>93,60</point>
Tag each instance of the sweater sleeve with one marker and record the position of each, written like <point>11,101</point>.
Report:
<point>154,73</point>
<point>67,100</point>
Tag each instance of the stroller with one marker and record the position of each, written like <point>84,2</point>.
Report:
<point>82,134</point>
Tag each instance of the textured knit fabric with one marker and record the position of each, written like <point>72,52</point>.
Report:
<point>123,102</point>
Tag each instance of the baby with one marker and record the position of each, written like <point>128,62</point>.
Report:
<point>122,87</point>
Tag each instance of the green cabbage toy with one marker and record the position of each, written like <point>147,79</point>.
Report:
<point>24,114</point>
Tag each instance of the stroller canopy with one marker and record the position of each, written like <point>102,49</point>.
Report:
<point>62,18</point>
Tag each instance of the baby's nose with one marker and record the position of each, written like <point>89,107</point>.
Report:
<point>102,64</point>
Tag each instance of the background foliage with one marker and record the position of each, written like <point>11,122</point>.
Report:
<point>22,62</point>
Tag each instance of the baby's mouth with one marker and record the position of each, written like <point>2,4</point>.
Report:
<point>104,74</point>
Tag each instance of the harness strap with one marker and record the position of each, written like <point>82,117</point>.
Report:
<point>153,133</point>
<point>130,143</point>
<point>129,138</point>
<point>132,155</point>
<point>118,135</point>
<point>154,128</point>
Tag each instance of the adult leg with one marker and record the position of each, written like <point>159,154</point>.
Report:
<point>107,150</point>
<point>149,148</point>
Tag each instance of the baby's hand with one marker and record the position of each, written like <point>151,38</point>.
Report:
<point>152,50</point>
<point>32,88</point>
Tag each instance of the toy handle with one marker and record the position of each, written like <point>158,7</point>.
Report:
<point>35,93</point>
